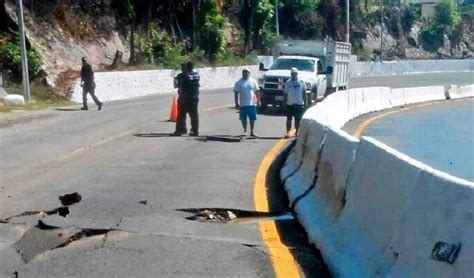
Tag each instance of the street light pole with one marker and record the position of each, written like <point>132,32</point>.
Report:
<point>347,21</point>
<point>276,18</point>
<point>24,59</point>
<point>381,32</point>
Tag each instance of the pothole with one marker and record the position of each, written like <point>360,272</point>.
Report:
<point>44,237</point>
<point>234,216</point>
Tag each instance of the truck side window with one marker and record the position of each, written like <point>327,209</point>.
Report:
<point>320,67</point>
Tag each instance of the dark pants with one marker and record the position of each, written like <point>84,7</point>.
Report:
<point>187,106</point>
<point>294,111</point>
<point>89,88</point>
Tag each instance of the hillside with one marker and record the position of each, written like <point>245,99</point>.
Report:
<point>62,32</point>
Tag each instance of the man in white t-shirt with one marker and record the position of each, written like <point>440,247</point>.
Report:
<point>294,90</point>
<point>246,99</point>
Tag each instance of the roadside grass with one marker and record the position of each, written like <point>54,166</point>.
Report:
<point>42,97</point>
<point>35,105</point>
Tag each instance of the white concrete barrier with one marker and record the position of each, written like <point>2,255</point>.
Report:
<point>14,100</point>
<point>439,213</point>
<point>379,185</point>
<point>455,92</point>
<point>383,213</point>
<point>303,179</point>
<point>295,157</point>
<point>325,202</point>
<point>119,85</point>
<point>423,94</point>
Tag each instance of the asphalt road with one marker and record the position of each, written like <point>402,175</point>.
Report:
<point>134,180</point>
<point>440,134</point>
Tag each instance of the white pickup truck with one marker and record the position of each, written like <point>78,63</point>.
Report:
<point>323,66</point>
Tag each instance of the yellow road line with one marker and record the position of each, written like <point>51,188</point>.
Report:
<point>284,263</point>
<point>360,129</point>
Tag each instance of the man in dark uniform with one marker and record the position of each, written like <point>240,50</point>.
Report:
<point>187,83</point>
<point>88,84</point>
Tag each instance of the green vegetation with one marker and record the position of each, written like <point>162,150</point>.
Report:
<point>10,60</point>
<point>41,97</point>
<point>445,22</point>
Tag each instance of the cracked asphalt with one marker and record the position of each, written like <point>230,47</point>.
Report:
<point>134,180</point>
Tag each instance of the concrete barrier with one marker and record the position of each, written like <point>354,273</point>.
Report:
<point>379,185</point>
<point>303,179</point>
<point>14,100</point>
<point>373,99</point>
<point>325,202</point>
<point>423,94</point>
<point>128,84</point>
<point>294,159</point>
<point>455,92</point>
<point>383,213</point>
<point>439,215</point>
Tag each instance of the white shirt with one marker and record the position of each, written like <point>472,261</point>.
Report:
<point>247,90</point>
<point>295,91</point>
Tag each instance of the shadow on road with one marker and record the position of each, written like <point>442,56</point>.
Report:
<point>291,232</point>
<point>205,138</point>
<point>68,109</point>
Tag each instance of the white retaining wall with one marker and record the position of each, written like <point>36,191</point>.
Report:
<point>409,67</point>
<point>119,85</point>
<point>373,211</point>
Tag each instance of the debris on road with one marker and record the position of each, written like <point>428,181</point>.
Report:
<point>216,215</point>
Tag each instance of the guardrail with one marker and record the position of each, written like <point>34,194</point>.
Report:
<point>371,210</point>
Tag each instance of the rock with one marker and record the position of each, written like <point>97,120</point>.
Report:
<point>231,215</point>
<point>14,100</point>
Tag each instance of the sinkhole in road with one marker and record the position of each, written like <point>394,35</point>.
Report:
<point>234,216</point>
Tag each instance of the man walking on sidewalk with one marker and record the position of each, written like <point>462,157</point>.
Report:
<point>294,90</point>
<point>246,100</point>
<point>188,100</point>
<point>88,85</point>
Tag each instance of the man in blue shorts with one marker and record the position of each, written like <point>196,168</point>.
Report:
<point>246,98</point>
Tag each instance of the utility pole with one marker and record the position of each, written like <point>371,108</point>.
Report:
<point>24,59</point>
<point>348,30</point>
<point>381,32</point>
<point>276,18</point>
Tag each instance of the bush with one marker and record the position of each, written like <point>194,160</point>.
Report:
<point>432,37</point>
<point>409,16</point>
<point>10,60</point>
<point>446,16</point>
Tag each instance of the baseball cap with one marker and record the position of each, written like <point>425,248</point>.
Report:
<point>294,70</point>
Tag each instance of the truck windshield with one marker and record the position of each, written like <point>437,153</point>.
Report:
<point>287,64</point>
